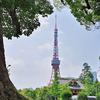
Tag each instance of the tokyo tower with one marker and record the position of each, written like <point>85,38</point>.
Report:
<point>55,62</point>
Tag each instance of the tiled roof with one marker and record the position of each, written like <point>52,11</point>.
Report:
<point>68,80</point>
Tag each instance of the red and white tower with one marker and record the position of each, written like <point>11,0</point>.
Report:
<point>55,62</point>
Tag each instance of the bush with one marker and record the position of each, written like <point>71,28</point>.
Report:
<point>82,96</point>
<point>98,96</point>
<point>66,95</point>
<point>48,96</point>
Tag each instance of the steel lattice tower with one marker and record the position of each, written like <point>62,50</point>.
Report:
<point>55,62</point>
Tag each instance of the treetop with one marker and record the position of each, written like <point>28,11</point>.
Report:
<point>21,16</point>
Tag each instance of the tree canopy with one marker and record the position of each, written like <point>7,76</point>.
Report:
<point>17,17</point>
<point>65,92</point>
<point>21,16</point>
<point>86,12</point>
<point>82,96</point>
<point>55,87</point>
<point>85,71</point>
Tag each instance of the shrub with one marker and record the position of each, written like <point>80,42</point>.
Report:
<point>66,95</point>
<point>82,96</point>
<point>98,96</point>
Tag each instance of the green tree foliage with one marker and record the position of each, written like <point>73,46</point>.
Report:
<point>64,87</point>
<point>82,96</point>
<point>31,94</point>
<point>93,89</point>
<point>98,96</point>
<point>48,93</point>
<point>85,71</point>
<point>19,90</point>
<point>86,12</point>
<point>65,92</point>
<point>21,16</point>
<point>66,95</point>
<point>25,92</point>
<point>88,86</point>
<point>38,92</point>
<point>59,91</point>
<point>98,87</point>
<point>48,96</point>
<point>44,94</point>
<point>55,88</point>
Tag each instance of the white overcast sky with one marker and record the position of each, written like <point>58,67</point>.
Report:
<point>30,57</point>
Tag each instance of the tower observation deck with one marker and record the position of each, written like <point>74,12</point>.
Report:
<point>55,62</point>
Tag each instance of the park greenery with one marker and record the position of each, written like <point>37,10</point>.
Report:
<point>54,92</point>
<point>86,78</point>
<point>63,92</point>
<point>82,96</point>
<point>98,96</point>
<point>86,70</point>
<point>54,89</point>
<point>44,93</point>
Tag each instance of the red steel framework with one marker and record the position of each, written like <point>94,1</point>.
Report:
<point>55,62</point>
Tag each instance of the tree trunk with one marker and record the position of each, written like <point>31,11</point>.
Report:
<point>7,89</point>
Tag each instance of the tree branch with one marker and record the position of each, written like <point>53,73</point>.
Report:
<point>87,3</point>
<point>84,8</point>
<point>15,21</point>
<point>63,2</point>
<point>93,22</point>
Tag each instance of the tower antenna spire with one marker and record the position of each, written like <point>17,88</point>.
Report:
<point>55,61</point>
<point>55,21</point>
